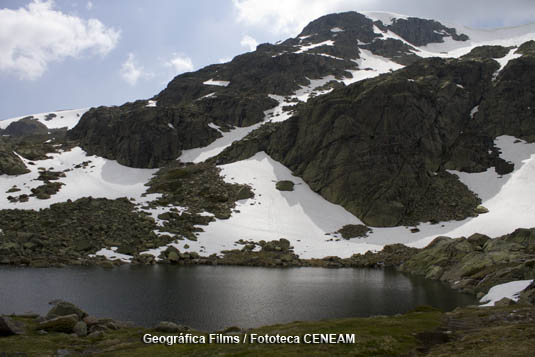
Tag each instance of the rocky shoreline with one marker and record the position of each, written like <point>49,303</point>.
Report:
<point>68,330</point>
<point>471,265</point>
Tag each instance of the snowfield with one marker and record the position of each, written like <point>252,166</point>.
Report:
<point>304,217</point>
<point>301,216</point>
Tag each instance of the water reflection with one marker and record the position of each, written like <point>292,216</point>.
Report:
<point>213,297</point>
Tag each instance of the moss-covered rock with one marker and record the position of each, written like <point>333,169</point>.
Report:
<point>487,52</point>
<point>64,308</point>
<point>476,263</point>
<point>354,231</point>
<point>60,324</point>
<point>284,185</point>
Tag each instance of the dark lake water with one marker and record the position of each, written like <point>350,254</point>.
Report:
<point>213,297</point>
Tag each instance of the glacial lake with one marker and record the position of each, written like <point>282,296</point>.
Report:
<point>210,298</point>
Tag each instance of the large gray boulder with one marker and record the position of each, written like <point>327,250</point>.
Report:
<point>64,324</point>
<point>63,308</point>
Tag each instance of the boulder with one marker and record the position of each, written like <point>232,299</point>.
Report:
<point>80,329</point>
<point>90,320</point>
<point>64,308</point>
<point>10,164</point>
<point>9,327</point>
<point>173,257</point>
<point>354,231</point>
<point>64,324</point>
<point>285,185</point>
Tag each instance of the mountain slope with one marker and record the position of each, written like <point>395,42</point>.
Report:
<point>376,131</point>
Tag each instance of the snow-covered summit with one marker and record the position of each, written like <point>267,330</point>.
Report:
<point>52,120</point>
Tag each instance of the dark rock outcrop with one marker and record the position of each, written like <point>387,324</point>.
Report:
<point>26,126</point>
<point>10,164</point>
<point>421,32</point>
<point>140,136</point>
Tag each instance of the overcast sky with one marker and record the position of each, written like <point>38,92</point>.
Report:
<point>68,54</point>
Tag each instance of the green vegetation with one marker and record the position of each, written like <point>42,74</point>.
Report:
<point>424,331</point>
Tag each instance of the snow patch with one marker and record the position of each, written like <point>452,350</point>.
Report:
<point>212,82</point>
<point>510,290</point>
<point>370,66</point>
<point>204,153</point>
<point>337,29</point>
<point>111,254</point>
<point>209,95</point>
<point>151,103</point>
<point>306,48</point>
<point>474,111</point>
<point>302,216</point>
<point>504,60</point>
<point>330,56</point>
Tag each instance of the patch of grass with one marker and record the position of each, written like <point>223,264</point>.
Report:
<point>378,336</point>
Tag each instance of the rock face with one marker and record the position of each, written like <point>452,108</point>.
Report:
<point>140,136</point>
<point>382,147</point>
<point>421,32</point>
<point>379,147</point>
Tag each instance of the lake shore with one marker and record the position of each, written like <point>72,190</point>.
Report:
<point>469,331</point>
